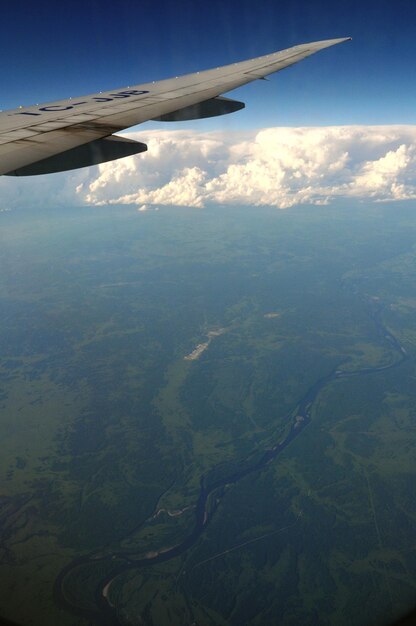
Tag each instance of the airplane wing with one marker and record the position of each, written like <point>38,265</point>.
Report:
<point>80,131</point>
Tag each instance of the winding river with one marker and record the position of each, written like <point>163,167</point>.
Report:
<point>101,611</point>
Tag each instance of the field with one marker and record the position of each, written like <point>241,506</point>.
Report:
<point>107,428</point>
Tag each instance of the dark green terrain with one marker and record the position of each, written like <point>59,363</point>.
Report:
<point>107,429</point>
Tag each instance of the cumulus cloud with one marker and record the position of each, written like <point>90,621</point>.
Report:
<point>281,167</point>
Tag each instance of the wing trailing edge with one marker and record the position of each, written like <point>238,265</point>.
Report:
<point>93,153</point>
<point>208,108</point>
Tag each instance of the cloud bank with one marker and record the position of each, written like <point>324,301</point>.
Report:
<point>279,167</point>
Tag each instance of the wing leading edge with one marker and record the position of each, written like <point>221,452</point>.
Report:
<point>77,132</point>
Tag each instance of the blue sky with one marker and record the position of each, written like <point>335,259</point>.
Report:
<point>358,99</point>
<point>54,50</point>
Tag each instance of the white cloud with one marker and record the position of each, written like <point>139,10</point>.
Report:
<point>281,167</point>
<point>391,176</point>
<point>147,207</point>
<point>276,166</point>
<point>185,189</point>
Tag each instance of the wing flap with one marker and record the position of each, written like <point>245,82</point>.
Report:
<point>200,110</point>
<point>92,153</point>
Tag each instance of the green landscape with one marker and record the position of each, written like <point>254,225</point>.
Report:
<point>208,417</point>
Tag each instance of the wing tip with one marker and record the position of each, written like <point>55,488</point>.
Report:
<point>326,43</point>
<point>333,42</point>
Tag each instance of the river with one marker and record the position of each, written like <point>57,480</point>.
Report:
<point>104,613</point>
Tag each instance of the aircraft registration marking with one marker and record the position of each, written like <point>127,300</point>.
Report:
<point>99,99</point>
